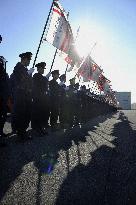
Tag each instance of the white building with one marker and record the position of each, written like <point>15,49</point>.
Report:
<point>133,106</point>
<point>124,99</point>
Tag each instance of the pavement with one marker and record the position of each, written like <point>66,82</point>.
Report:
<point>94,164</point>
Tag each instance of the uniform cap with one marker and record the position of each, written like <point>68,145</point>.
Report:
<point>83,86</point>
<point>63,76</point>
<point>2,59</point>
<point>41,64</point>
<point>72,79</point>
<point>26,55</point>
<point>55,72</point>
<point>77,84</point>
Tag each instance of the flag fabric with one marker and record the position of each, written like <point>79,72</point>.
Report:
<point>59,33</point>
<point>106,87</point>
<point>101,82</point>
<point>73,57</point>
<point>85,69</point>
<point>96,72</point>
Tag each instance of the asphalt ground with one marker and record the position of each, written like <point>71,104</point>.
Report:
<point>89,165</point>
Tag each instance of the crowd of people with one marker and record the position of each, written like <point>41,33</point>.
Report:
<point>42,102</point>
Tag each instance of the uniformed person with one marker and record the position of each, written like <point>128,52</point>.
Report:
<point>77,105</point>
<point>71,102</point>
<point>4,95</point>
<point>54,89</point>
<point>21,83</point>
<point>40,104</point>
<point>84,104</point>
<point>62,101</point>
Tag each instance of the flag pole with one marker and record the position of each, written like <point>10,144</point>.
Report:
<point>67,63</point>
<point>53,59</point>
<point>43,33</point>
<point>66,68</point>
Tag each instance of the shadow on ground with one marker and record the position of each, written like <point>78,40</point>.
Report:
<point>16,155</point>
<point>110,177</point>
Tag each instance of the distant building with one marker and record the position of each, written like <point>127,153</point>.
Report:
<point>133,106</point>
<point>124,99</point>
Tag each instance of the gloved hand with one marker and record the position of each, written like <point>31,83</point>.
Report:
<point>48,75</point>
<point>30,71</point>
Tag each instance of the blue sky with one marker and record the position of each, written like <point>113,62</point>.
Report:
<point>110,23</point>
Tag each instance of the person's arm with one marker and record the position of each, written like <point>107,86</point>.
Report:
<point>48,75</point>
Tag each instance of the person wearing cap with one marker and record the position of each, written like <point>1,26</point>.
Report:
<point>21,84</point>
<point>62,101</point>
<point>4,95</point>
<point>54,99</point>
<point>40,105</point>
<point>84,103</point>
<point>72,82</point>
<point>62,80</point>
<point>72,103</point>
<point>77,105</point>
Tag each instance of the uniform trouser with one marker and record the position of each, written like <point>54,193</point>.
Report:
<point>77,112</point>
<point>61,114</point>
<point>3,116</point>
<point>21,113</point>
<point>63,111</point>
<point>40,113</point>
<point>54,109</point>
<point>71,113</point>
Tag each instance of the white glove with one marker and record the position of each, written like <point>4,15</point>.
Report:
<point>30,71</point>
<point>48,75</point>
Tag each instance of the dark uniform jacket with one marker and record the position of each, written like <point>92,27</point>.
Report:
<point>62,92</point>
<point>21,88</point>
<point>54,90</point>
<point>20,80</point>
<point>40,104</point>
<point>4,88</point>
<point>40,86</point>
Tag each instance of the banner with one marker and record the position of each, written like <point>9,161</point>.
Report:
<point>86,70</point>
<point>106,88</point>
<point>73,57</point>
<point>59,33</point>
<point>96,72</point>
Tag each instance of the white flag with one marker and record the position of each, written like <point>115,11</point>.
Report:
<point>106,87</point>
<point>85,69</point>
<point>96,73</point>
<point>59,33</point>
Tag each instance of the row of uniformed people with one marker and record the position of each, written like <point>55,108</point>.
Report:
<point>37,99</point>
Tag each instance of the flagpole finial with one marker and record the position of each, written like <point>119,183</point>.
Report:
<point>67,15</point>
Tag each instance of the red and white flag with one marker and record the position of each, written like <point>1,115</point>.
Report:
<point>86,70</point>
<point>96,72</point>
<point>106,87</point>
<point>101,82</point>
<point>59,33</point>
<point>73,57</point>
